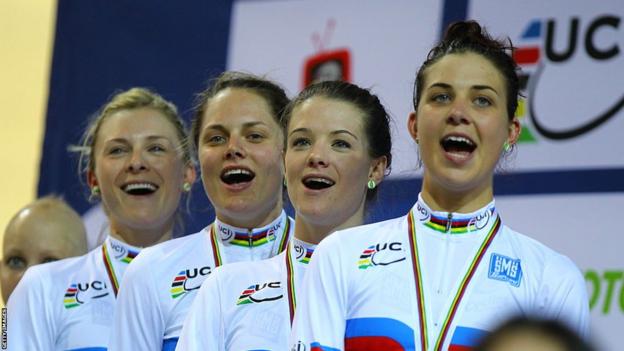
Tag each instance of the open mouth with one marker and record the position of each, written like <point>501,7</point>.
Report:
<point>237,175</point>
<point>458,144</point>
<point>139,188</point>
<point>317,183</point>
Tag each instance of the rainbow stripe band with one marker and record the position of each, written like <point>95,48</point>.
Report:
<point>284,243</point>
<point>258,239</point>
<point>70,300</point>
<point>217,253</point>
<point>308,255</point>
<point>420,297</point>
<point>215,247</point>
<point>244,297</point>
<point>110,270</point>
<point>290,283</point>
<point>129,256</point>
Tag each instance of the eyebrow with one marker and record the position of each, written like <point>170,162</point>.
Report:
<point>474,87</point>
<point>149,137</point>
<point>221,127</point>
<point>484,87</point>
<point>335,132</point>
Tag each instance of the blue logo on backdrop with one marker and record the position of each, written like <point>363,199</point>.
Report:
<point>505,269</point>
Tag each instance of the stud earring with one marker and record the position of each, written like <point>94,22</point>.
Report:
<point>371,184</point>
<point>186,187</point>
<point>95,191</point>
<point>506,147</point>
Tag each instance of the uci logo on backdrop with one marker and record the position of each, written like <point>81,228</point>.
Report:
<point>571,44</point>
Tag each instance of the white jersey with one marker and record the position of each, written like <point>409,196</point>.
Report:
<point>161,284</point>
<point>431,281</point>
<point>247,307</point>
<point>68,304</point>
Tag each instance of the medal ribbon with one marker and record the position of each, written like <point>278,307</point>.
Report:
<point>420,297</point>
<point>109,269</point>
<point>290,285</point>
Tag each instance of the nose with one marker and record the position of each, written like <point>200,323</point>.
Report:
<point>458,113</point>
<point>234,149</point>
<point>137,162</point>
<point>318,157</point>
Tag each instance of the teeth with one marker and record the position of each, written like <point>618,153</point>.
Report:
<point>320,180</point>
<point>139,186</point>
<point>459,139</point>
<point>232,172</point>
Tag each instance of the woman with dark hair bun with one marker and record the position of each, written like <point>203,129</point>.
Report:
<point>443,275</point>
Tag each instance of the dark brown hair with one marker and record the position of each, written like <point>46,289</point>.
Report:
<point>469,36</point>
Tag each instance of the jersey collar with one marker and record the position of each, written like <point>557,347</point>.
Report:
<point>301,251</point>
<point>452,222</point>
<point>274,231</point>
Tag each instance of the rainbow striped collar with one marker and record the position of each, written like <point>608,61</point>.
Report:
<point>455,223</point>
<point>120,251</point>
<point>252,237</point>
<point>301,251</point>
<point>116,255</point>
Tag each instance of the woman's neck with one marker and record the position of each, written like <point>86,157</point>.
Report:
<point>141,237</point>
<point>463,201</point>
<point>244,220</point>
<point>313,232</point>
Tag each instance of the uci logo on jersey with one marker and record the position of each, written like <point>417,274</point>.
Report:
<point>186,281</point>
<point>226,233</point>
<point>79,293</point>
<point>381,255</point>
<point>482,219</point>
<point>505,269</point>
<point>119,250</point>
<point>260,293</point>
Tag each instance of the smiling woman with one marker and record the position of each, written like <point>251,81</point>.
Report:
<point>337,151</point>
<point>238,136</point>
<point>450,261</point>
<point>136,160</point>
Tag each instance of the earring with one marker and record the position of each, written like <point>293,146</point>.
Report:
<point>371,184</point>
<point>506,147</point>
<point>285,185</point>
<point>95,191</point>
<point>417,141</point>
<point>186,187</point>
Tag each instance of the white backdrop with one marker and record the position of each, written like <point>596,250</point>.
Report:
<point>567,93</point>
<point>388,40</point>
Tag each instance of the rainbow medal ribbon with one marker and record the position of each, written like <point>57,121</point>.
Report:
<point>290,284</point>
<point>420,296</point>
<point>214,242</point>
<point>108,264</point>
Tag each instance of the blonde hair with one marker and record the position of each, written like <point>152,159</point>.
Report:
<point>134,98</point>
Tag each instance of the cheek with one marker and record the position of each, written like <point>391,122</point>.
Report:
<point>293,164</point>
<point>270,158</point>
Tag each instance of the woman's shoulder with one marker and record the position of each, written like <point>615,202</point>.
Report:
<point>532,250</point>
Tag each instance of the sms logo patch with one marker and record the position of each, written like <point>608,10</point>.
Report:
<point>505,269</point>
